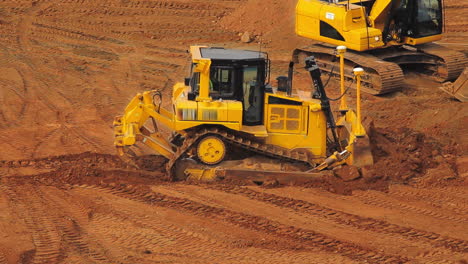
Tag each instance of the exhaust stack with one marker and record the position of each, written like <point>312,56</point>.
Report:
<point>290,77</point>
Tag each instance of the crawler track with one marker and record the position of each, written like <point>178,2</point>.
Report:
<point>238,140</point>
<point>382,67</point>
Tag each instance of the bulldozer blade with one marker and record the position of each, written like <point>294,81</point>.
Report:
<point>362,154</point>
<point>459,88</point>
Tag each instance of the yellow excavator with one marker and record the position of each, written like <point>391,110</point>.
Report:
<point>384,35</point>
<point>228,104</point>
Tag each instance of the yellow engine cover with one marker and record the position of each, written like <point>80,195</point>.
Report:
<point>337,25</point>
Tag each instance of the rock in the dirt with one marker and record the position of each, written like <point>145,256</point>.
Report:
<point>348,173</point>
<point>246,37</point>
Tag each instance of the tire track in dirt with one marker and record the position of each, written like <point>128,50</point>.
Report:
<point>431,194</point>
<point>307,237</point>
<point>71,229</point>
<point>46,137</point>
<point>45,236</point>
<point>162,235</point>
<point>437,200</point>
<point>147,230</point>
<point>392,203</point>
<point>459,193</point>
<point>390,244</point>
<point>85,138</point>
<point>3,260</point>
<point>54,230</point>
<point>71,33</point>
<point>24,26</point>
<point>343,218</point>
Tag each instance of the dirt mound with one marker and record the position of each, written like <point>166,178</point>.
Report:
<point>401,154</point>
<point>85,168</point>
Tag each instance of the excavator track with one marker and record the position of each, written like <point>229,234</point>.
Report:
<point>235,139</point>
<point>383,73</point>
<point>380,76</point>
<point>437,62</point>
<point>451,64</point>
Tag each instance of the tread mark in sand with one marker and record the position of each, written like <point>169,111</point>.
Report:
<point>307,237</point>
<point>376,200</point>
<point>356,221</point>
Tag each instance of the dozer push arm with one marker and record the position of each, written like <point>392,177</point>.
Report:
<point>129,128</point>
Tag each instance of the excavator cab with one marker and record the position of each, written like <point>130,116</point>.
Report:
<point>415,19</point>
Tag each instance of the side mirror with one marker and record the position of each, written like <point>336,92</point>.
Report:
<point>187,81</point>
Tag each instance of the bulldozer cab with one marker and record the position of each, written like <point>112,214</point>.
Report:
<point>237,75</point>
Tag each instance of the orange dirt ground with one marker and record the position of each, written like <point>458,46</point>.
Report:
<point>69,66</point>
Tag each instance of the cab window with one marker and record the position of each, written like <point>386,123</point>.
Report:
<point>221,82</point>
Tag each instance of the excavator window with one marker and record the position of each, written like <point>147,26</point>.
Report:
<point>417,19</point>
<point>428,18</point>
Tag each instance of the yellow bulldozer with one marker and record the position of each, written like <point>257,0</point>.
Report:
<point>227,103</point>
<point>383,36</point>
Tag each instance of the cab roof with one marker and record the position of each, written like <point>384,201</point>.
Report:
<point>215,53</point>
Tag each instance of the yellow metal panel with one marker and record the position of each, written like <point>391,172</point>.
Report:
<point>354,19</point>
<point>183,125</point>
<point>195,51</point>
<point>304,119</point>
<point>351,24</point>
<point>258,131</point>
<point>307,22</point>
<point>317,132</point>
<point>186,110</point>
<point>234,111</point>
<point>417,41</point>
<point>333,15</point>
<point>177,90</point>
<point>213,111</point>
<point>284,119</point>
<point>203,67</point>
